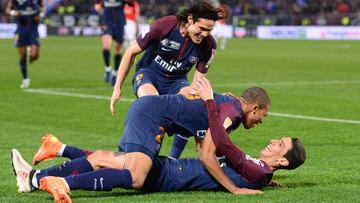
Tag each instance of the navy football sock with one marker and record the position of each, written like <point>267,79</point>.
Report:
<point>73,152</point>
<point>68,168</point>
<point>117,60</point>
<point>103,179</point>
<point>178,145</point>
<point>106,56</point>
<point>23,68</point>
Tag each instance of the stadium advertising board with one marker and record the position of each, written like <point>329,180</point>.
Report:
<point>74,25</point>
<point>280,32</point>
<point>8,30</point>
<point>334,33</point>
<point>309,32</point>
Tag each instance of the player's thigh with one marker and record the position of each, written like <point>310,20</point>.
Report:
<point>22,50</point>
<point>144,83</point>
<point>139,165</point>
<point>22,38</point>
<point>35,49</point>
<point>118,47</point>
<point>34,37</point>
<point>146,90</point>
<point>106,41</point>
<point>177,86</point>
<point>106,159</point>
<point>118,34</point>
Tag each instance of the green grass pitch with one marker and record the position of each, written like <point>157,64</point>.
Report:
<point>306,78</point>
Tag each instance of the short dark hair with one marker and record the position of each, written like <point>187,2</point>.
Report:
<point>203,9</point>
<point>296,155</point>
<point>257,95</point>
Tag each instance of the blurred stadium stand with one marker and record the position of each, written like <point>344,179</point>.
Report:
<point>65,15</point>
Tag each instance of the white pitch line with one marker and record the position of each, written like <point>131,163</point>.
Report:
<point>79,95</point>
<point>283,83</point>
<point>314,118</point>
<point>298,83</point>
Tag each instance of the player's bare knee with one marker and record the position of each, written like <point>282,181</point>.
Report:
<point>34,57</point>
<point>97,158</point>
<point>137,181</point>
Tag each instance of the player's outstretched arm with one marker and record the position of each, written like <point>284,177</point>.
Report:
<point>124,68</point>
<point>197,76</point>
<point>208,158</point>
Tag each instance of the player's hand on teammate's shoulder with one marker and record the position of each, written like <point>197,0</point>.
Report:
<point>245,191</point>
<point>114,98</point>
<point>203,88</point>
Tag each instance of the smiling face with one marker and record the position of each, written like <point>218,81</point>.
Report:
<point>254,117</point>
<point>277,148</point>
<point>199,29</point>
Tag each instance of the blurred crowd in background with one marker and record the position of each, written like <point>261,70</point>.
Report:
<point>315,10</point>
<point>158,8</point>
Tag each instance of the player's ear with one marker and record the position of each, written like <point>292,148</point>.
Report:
<point>255,108</point>
<point>190,19</point>
<point>282,161</point>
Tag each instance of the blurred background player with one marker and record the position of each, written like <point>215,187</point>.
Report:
<point>172,44</point>
<point>28,14</point>
<point>132,15</point>
<point>220,27</point>
<point>219,33</point>
<point>113,22</point>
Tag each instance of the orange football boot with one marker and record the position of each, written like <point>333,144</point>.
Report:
<point>48,150</point>
<point>57,187</point>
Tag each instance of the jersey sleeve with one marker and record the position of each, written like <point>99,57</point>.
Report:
<point>156,31</point>
<point>252,169</point>
<point>208,50</point>
<point>230,117</point>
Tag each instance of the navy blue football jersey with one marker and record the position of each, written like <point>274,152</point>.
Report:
<point>169,53</point>
<point>189,174</point>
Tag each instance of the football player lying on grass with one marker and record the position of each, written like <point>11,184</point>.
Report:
<point>139,158</point>
<point>165,175</point>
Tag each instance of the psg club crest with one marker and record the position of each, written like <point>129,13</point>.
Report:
<point>193,59</point>
<point>139,77</point>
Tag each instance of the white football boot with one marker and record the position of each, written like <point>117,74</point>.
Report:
<point>22,171</point>
<point>25,83</point>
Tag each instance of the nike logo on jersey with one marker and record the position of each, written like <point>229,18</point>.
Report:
<point>165,49</point>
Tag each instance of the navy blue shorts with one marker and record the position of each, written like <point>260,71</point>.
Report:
<point>27,35</point>
<point>163,85</point>
<point>144,128</point>
<point>116,31</point>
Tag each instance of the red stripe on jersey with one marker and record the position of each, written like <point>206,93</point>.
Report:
<point>182,49</point>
